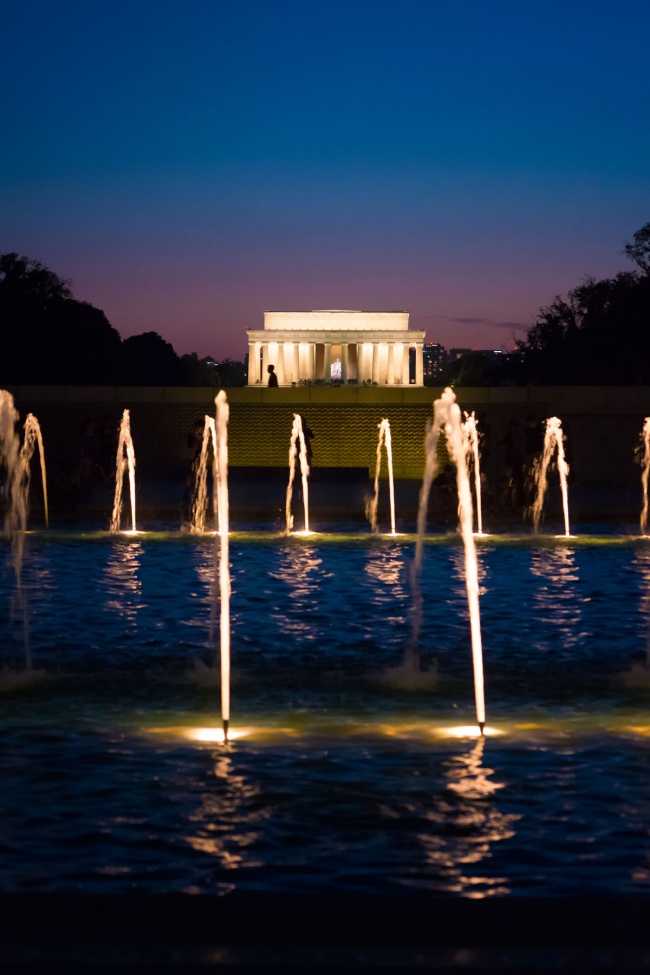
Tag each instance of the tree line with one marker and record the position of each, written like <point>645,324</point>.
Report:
<point>48,337</point>
<point>599,334</point>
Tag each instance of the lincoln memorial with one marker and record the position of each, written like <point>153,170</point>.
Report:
<point>335,346</point>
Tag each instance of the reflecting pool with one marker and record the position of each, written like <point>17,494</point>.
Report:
<point>354,764</point>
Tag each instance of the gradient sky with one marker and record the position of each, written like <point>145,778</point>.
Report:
<point>190,164</point>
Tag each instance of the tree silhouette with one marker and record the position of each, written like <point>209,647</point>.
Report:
<point>150,361</point>
<point>48,337</point>
<point>599,333</point>
<point>639,251</point>
<point>23,279</point>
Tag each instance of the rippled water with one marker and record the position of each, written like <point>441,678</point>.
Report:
<point>349,776</point>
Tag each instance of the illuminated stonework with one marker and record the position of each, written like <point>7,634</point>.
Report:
<point>335,346</point>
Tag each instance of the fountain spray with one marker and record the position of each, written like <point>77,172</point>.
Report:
<point>371,507</point>
<point>553,441</point>
<point>447,420</point>
<point>297,436</point>
<point>222,540</point>
<point>200,502</point>
<point>643,454</point>
<point>16,461</point>
<point>34,436</point>
<point>473,455</point>
<point>10,458</point>
<point>125,461</point>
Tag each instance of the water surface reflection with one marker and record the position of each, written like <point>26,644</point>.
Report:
<point>557,601</point>
<point>224,823</point>
<point>299,568</point>
<point>465,823</point>
<point>123,582</point>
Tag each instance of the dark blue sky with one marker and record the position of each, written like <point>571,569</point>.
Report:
<point>189,165</point>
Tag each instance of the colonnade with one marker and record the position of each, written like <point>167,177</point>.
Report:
<point>386,363</point>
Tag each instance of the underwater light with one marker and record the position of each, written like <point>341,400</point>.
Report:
<point>215,734</point>
<point>468,731</point>
<point>304,533</point>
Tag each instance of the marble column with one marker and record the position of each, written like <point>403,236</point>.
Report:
<point>253,363</point>
<point>304,360</point>
<point>359,362</point>
<point>265,362</point>
<point>280,365</point>
<point>295,372</point>
<point>327,363</point>
<point>374,374</point>
<point>390,371</point>
<point>287,355</point>
<point>344,362</point>
<point>406,369</point>
<point>398,362</point>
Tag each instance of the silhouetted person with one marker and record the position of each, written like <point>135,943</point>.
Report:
<point>273,379</point>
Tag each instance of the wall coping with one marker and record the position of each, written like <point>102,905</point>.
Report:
<point>596,399</point>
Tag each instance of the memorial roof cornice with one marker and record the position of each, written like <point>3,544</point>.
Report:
<point>344,336</point>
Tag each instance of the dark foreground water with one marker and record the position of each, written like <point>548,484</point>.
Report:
<point>353,773</point>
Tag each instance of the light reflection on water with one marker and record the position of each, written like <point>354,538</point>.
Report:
<point>472,824</point>
<point>385,572</point>
<point>204,566</point>
<point>386,565</point>
<point>223,823</point>
<point>550,808</point>
<point>300,569</point>
<point>557,599</point>
<point>458,563</point>
<point>642,563</point>
<point>638,675</point>
<point>123,583</point>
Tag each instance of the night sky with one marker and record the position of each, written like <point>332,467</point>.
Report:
<point>190,164</point>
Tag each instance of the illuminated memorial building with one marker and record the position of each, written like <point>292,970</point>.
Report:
<point>336,346</point>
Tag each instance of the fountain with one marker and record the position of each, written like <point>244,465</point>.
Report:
<point>371,507</point>
<point>474,462</point>
<point>333,773</point>
<point>643,456</point>
<point>16,463</point>
<point>222,541</point>
<point>16,460</point>
<point>297,438</point>
<point>125,462</point>
<point>32,437</point>
<point>447,419</point>
<point>553,443</point>
<point>200,500</point>
<point>16,501</point>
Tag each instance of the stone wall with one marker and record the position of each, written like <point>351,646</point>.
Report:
<point>603,424</point>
